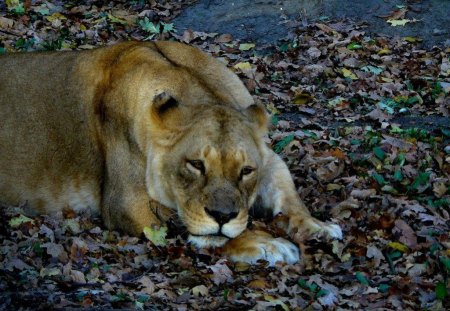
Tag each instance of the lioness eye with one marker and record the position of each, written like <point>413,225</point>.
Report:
<point>197,164</point>
<point>246,170</point>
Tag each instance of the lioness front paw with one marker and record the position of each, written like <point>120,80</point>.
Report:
<point>252,246</point>
<point>308,226</point>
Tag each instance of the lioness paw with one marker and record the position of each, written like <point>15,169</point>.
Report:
<point>252,246</point>
<point>310,226</point>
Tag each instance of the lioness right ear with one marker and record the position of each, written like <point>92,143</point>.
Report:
<point>258,114</point>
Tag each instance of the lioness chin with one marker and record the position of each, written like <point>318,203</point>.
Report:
<point>120,127</point>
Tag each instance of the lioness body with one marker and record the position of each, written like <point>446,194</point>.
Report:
<point>117,128</point>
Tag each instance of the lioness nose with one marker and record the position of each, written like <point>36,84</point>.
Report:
<point>221,217</point>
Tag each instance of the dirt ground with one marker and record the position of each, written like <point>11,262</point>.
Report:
<point>266,21</point>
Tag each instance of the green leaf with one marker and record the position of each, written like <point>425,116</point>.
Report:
<point>15,6</point>
<point>310,134</point>
<point>42,9</point>
<point>441,290</point>
<point>322,292</point>
<point>446,132</point>
<point>412,39</point>
<point>401,158</point>
<point>378,178</point>
<point>379,153</point>
<point>116,20</point>
<point>375,70</point>
<point>2,50</point>
<point>246,46</point>
<point>421,180</point>
<point>383,288</point>
<point>398,176</point>
<point>361,278</point>
<point>279,146</point>
<point>17,221</point>
<point>156,236</point>
<point>394,255</point>
<point>168,27</point>
<point>148,26</point>
<point>274,119</point>
<point>446,262</point>
<point>284,47</point>
<point>354,46</point>
<point>389,189</point>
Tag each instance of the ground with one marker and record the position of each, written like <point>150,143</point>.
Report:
<point>362,120</point>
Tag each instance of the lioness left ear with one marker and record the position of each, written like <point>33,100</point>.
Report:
<point>165,110</point>
<point>163,102</point>
<point>257,113</point>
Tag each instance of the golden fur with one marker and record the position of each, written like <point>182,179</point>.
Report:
<point>120,127</point>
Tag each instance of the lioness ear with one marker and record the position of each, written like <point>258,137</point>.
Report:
<point>258,114</point>
<point>163,102</point>
<point>165,109</point>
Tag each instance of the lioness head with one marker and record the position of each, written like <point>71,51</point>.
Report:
<point>200,133</point>
<point>211,170</point>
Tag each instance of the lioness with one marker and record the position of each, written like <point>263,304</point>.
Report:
<point>119,128</point>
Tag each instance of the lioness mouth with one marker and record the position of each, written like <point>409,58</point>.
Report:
<point>212,235</point>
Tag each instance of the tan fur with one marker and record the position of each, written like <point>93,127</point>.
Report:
<point>117,128</point>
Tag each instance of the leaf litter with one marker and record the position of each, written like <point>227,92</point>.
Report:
<point>336,95</point>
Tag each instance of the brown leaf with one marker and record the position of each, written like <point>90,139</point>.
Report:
<point>258,284</point>
<point>408,236</point>
<point>224,38</point>
<point>56,251</point>
<point>77,277</point>
<point>221,272</point>
<point>363,193</point>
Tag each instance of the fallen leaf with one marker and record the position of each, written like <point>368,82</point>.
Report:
<point>224,38</point>
<point>398,22</point>
<point>55,16</point>
<point>156,235</point>
<point>200,290</point>
<point>348,74</point>
<point>148,287</point>
<point>302,98</point>
<point>55,250</point>
<point>243,66</point>
<point>221,272</point>
<point>258,284</point>
<point>412,39</point>
<point>17,221</point>
<point>246,46</point>
<point>398,246</point>
<point>376,254</point>
<point>6,23</point>
<point>363,193</point>
<point>78,277</point>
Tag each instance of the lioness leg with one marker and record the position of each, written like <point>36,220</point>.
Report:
<point>277,191</point>
<point>125,202</point>
<point>128,210</point>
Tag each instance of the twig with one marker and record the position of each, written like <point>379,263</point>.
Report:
<point>16,34</point>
